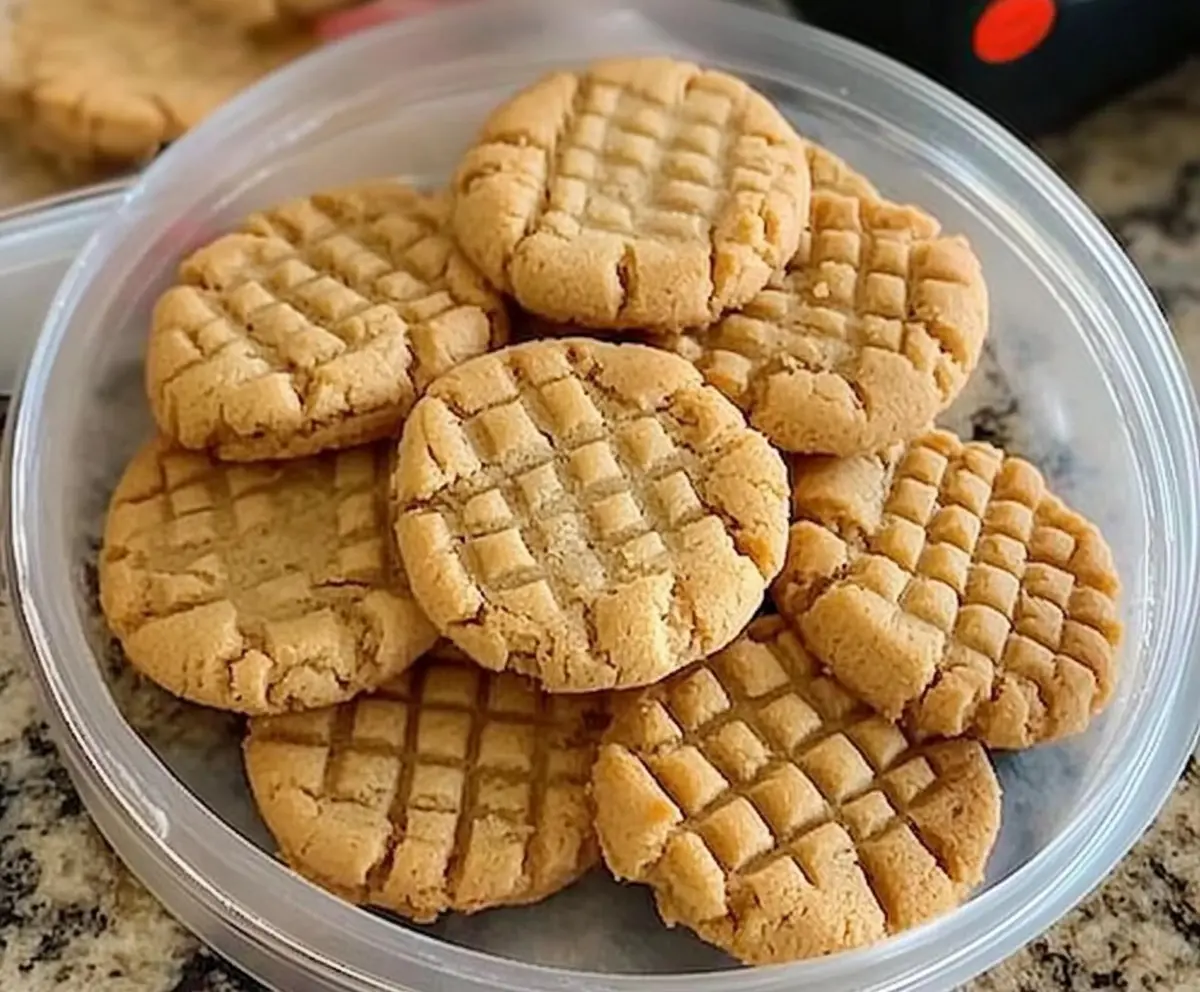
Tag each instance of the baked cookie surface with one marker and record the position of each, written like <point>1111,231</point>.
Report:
<point>777,816</point>
<point>112,81</point>
<point>316,325</point>
<point>869,333</point>
<point>637,193</point>
<point>588,514</point>
<point>258,588</point>
<point>944,583</point>
<point>450,788</point>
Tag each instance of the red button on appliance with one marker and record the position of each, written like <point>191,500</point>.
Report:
<point>1010,29</point>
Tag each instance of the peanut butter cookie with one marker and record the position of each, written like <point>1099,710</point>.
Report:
<point>259,588</point>
<point>589,514</point>
<point>317,325</point>
<point>112,81</point>
<point>944,583</point>
<point>870,332</point>
<point>637,193</point>
<point>780,818</point>
<point>449,788</point>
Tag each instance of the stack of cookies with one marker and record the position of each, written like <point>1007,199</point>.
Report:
<point>499,611</point>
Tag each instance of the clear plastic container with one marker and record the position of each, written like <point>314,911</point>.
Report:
<point>1080,375</point>
<point>38,243</point>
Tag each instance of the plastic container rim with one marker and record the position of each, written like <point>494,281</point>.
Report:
<point>128,825</point>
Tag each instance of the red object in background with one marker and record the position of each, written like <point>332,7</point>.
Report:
<point>1010,29</point>
<point>357,19</point>
<point>1038,65</point>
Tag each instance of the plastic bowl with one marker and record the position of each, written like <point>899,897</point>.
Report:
<point>1081,376</point>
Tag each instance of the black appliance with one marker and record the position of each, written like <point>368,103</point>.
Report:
<point>1036,65</point>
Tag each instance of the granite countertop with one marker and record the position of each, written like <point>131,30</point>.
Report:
<point>71,917</point>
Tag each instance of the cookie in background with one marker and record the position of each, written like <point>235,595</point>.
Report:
<point>103,85</point>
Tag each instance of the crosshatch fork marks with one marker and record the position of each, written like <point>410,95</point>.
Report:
<point>450,788</point>
<point>259,588</point>
<point>989,603</point>
<point>317,324</point>
<point>778,816</point>
<point>637,193</point>
<point>589,514</point>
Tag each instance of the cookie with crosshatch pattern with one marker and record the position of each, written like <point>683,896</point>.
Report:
<point>316,325</point>
<point>450,788</point>
<point>779,817</point>
<point>589,514</point>
<point>944,582</point>
<point>635,193</point>
<point>869,333</point>
<point>259,588</point>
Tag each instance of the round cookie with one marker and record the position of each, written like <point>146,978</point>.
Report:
<point>589,514</point>
<point>258,588</point>
<point>777,816</point>
<point>112,81</point>
<point>943,582</point>
<point>636,193</point>
<point>450,788</point>
<point>316,325</point>
<point>869,333</point>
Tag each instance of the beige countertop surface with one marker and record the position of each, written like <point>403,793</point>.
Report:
<point>71,917</point>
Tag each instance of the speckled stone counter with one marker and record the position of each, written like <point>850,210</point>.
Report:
<point>71,917</point>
